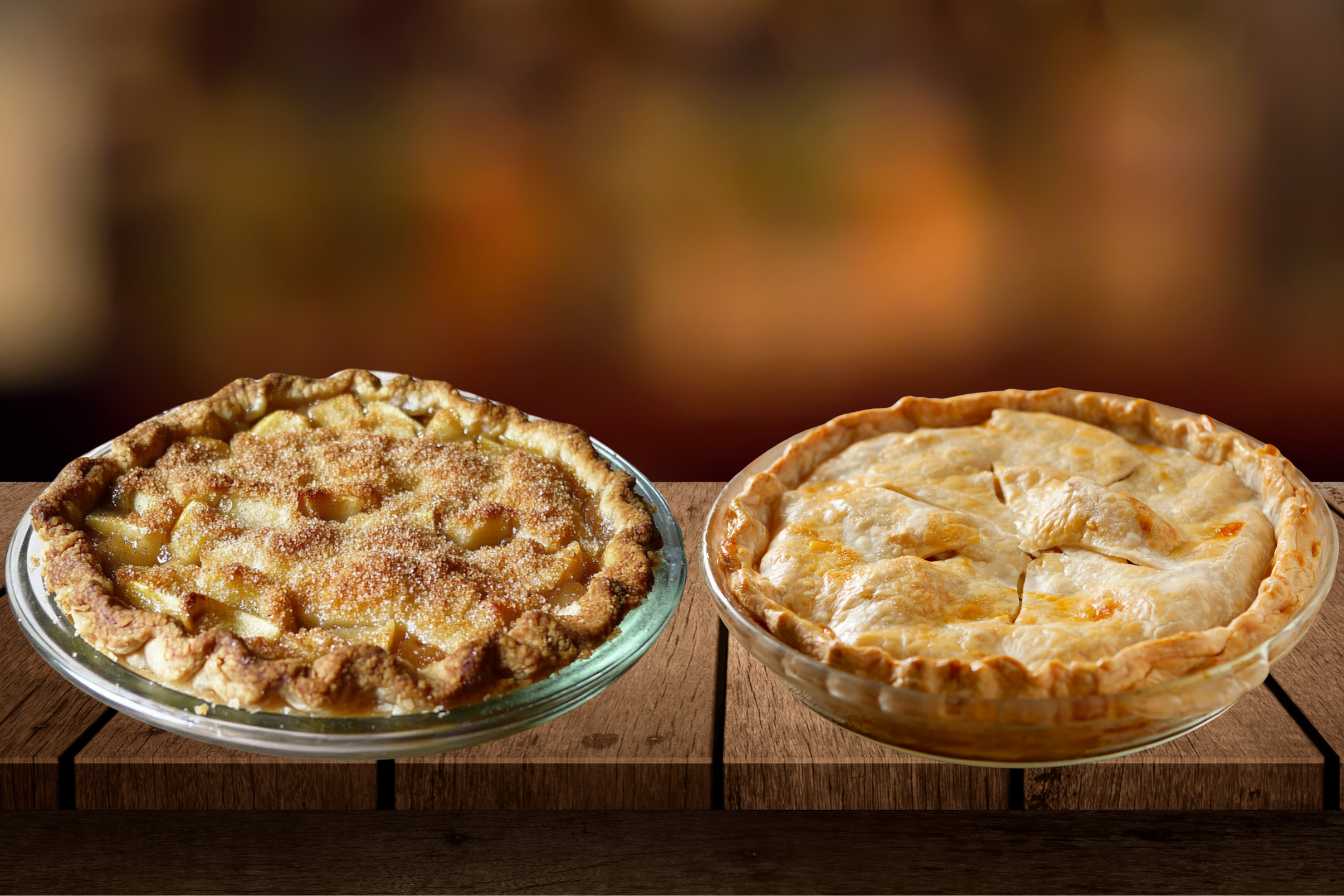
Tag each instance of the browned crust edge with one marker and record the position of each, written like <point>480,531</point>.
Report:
<point>1287,498</point>
<point>217,665</point>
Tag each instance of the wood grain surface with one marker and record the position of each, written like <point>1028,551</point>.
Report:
<point>41,716</point>
<point>129,765</point>
<point>1312,677</point>
<point>1334,493</point>
<point>778,754</point>
<point>672,852</point>
<point>1251,757</point>
<point>646,742</point>
<point>15,498</point>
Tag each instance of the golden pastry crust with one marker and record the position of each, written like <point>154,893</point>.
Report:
<point>504,542</point>
<point>1069,510</point>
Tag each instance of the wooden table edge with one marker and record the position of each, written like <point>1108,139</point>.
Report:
<point>675,851</point>
<point>67,763</point>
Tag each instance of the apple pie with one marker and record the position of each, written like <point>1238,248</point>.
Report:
<point>345,546</point>
<point>1047,543</point>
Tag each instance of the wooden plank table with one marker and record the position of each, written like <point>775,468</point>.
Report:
<point>129,765</point>
<point>1334,494</point>
<point>696,724</point>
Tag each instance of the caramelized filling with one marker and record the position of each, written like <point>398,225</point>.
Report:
<point>345,521</point>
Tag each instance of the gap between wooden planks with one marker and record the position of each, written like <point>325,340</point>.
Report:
<point>1312,676</point>
<point>777,754</point>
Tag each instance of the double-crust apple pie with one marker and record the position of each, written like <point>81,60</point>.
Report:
<point>1046,543</point>
<point>345,546</point>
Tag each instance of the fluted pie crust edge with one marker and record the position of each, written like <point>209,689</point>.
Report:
<point>1287,498</point>
<point>218,664</point>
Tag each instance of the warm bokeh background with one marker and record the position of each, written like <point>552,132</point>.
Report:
<point>690,226</point>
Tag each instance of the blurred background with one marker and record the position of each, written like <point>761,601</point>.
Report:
<point>692,227</point>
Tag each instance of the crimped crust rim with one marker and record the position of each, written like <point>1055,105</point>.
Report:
<point>1288,499</point>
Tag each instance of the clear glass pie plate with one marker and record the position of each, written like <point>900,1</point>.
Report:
<point>349,737</point>
<point>1005,732</point>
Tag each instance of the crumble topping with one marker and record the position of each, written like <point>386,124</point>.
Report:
<point>342,551</point>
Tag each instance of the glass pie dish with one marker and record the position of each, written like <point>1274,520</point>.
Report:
<point>1004,731</point>
<point>349,737</point>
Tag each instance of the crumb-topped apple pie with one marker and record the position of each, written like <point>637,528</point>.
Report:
<point>345,546</point>
<point>1045,543</point>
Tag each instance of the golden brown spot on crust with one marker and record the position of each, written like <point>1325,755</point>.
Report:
<point>1103,610</point>
<point>1071,607</point>
<point>968,612</point>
